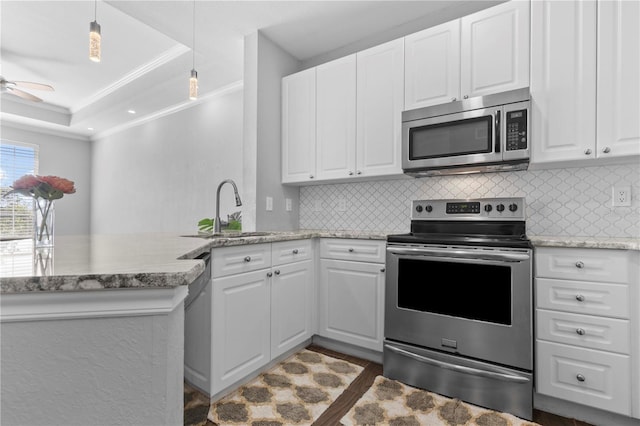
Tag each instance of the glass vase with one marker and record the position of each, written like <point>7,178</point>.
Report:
<point>44,215</point>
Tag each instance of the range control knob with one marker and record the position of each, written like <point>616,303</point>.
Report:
<point>428,208</point>
<point>488,208</point>
<point>419,208</point>
<point>513,207</point>
<point>500,207</point>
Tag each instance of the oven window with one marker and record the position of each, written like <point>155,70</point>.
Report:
<point>464,290</point>
<point>468,136</point>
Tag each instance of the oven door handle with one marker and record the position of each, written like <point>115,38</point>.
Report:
<point>460,368</point>
<point>461,253</point>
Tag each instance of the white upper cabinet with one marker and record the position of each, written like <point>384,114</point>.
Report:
<point>432,66</point>
<point>585,91</point>
<point>495,49</point>
<point>299,126</point>
<point>482,53</point>
<point>563,80</point>
<point>336,118</point>
<point>618,89</point>
<point>380,97</point>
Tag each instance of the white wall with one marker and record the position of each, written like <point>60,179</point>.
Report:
<point>162,176</point>
<point>265,65</point>
<point>65,156</point>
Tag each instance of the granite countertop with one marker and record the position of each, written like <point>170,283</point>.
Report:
<point>100,262</point>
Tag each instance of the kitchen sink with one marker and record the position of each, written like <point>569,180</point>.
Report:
<point>230,235</point>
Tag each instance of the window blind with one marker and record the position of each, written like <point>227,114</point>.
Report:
<point>16,211</point>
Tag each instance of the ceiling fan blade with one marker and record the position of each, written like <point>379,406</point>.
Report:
<point>32,85</point>
<point>23,94</point>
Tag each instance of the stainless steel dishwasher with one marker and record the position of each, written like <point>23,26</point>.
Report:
<point>197,328</point>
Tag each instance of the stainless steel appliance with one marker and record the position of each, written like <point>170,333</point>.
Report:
<point>481,134</point>
<point>458,306</point>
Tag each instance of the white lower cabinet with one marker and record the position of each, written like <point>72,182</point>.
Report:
<point>351,298</point>
<point>260,309</point>
<point>241,341</point>
<point>587,327</point>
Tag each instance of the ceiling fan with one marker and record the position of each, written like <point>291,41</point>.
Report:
<point>12,87</point>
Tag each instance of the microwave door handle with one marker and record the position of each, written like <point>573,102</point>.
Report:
<point>497,130</point>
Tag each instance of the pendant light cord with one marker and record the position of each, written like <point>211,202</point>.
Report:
<point>193,47</point>
<point>95,10</point>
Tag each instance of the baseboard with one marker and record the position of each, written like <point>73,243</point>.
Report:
<point>348,349</point>
<point>584,413</point>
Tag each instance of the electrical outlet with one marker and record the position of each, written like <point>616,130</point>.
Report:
<point>341,205</point>
<point>287,204</point>
<point>317,205</point>
<point>269,204</point>
<point>621,196</point>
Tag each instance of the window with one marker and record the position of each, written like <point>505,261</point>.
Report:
<point>16,211</point>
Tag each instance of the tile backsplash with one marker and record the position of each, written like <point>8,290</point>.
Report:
<point>560,202</point>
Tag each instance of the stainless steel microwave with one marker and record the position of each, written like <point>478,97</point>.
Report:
<point>482,134</point>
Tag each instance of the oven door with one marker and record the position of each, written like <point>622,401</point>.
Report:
<point>459,139</point>
<point>471,301</point>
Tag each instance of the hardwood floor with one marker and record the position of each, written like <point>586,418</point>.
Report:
<point>196,406</point>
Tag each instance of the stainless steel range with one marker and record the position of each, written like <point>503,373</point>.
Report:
<point>458,307</point>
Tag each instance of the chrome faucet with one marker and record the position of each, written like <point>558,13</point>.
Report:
<point>216,226</point>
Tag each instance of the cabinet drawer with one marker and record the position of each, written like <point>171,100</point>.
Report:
<point>291,251</point>
<point>589,377</point>
<point>238,259</point>
<point>352,249</point>
<point>587,331</point>
<point>583,264</point>
<point>611,300</point>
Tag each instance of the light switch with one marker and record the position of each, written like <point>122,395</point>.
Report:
<point>287,204</point>
<point>269,204</point>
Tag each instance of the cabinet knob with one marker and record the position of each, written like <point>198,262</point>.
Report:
<point>581,378</point>
<point>295,251</point>
<point>277,271</point>
<point>358,172</point>
<point>269,274</point>
<point>247,259</point>
<point>587,151</point>
<point>580,298</point>
<point>606,150</point>
<point>466,96</point>
<point>350,250</point>
<point>580,331</point>
<point>453,99</point>
<point>382,269</point>
<point>310,176</point>
<point>350,173</point>
<point>579,264</point>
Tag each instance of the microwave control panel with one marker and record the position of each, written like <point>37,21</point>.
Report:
<point>516,124</point>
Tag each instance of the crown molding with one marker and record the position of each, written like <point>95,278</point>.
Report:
<point>38,126</point>
<point>230,88</point>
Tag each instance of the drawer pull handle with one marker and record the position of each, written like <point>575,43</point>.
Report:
<point>269,274</point>
<point>580,331</point>
<point>247,259</point>
<point>579,264</point>
<point>580,378</point>
<point>277,271</point>
<point>350,250</point>
<point>382,270</point>
<point>580,298</point>
<point>295,251</point>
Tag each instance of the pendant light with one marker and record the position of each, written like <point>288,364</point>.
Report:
<point>193,79</point>
<point>94,36</point>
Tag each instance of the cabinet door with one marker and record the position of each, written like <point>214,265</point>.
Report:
<point>380,94</point>
<point>241,314</point>
<point>351,302</point>
<point>291,305</point>
<point>618,78</point>
<point>432,66</point>
<point>563,80</point>
<point>495,49</point>
<point>299,126</point>
<point>336,118</point>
